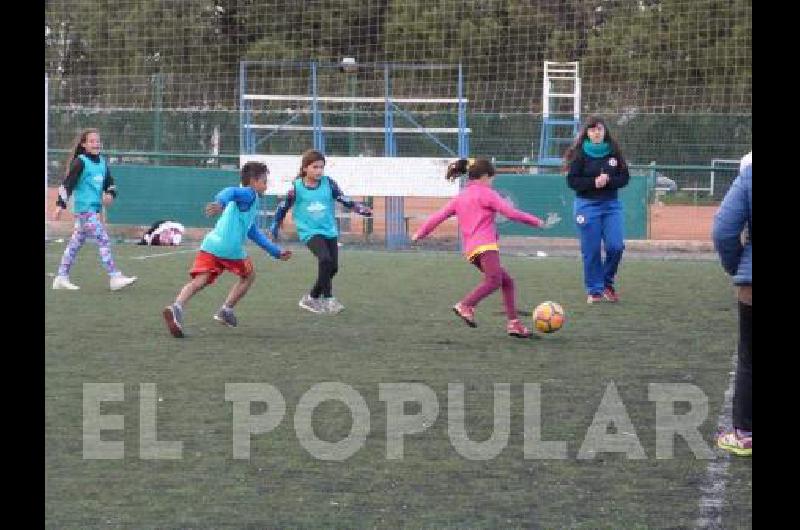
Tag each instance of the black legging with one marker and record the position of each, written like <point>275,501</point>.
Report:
<point>743,392</point>
<point>327,252</point>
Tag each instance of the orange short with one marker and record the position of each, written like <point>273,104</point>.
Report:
<point>206,263</point>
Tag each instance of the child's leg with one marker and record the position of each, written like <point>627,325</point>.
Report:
<point>239,289</point>
<point>103,244</point>
<point>319,247</point>
<point>489,263</point>
<point>75,243</point>
<point>247,275</point>
<point>193,287</point>
<point>173,314</point>
<point>204,271</point>
<point>508,295</point>
<point>333,250</point>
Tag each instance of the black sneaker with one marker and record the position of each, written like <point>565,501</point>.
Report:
<point>226,316</point>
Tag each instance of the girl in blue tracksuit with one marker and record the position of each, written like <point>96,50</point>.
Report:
<point>313,195</point>
<point>596,170</point>
<point>91,187</point>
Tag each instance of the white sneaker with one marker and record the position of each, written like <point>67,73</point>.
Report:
<point>311,304</point>
<point>118,282</point>
<point>332,306</point>
<point>62,282</point>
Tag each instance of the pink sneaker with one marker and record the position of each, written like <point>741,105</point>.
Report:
<point>516,329</point>
<point>466,313</point>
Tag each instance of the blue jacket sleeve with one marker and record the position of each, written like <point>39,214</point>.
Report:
<point>242,196</point>
<point>258,237</point>
<point>730,220</point>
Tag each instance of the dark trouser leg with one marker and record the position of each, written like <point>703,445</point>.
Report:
<point>743,393</point>
<point>319,246</point>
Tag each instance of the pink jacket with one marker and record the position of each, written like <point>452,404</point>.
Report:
<point>475,208</point>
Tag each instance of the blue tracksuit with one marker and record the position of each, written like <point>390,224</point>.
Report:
<point>599,217</point>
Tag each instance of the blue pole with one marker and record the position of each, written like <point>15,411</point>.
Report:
<point>395,229</point>
<point>246,140</point>
<point>387,121</point>
<point>314,107</point>
<point>463,146</point>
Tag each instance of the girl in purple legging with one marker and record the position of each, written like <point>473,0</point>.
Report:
<point>91,187</point>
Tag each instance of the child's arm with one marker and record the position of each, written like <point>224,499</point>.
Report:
<point>435,220</point>
<point>498,204</point>
<point>359,207</point>
<point>280,213</point>
<point>258,237</point>
<point>68,185</point>
<point>242,196</point>
<point>109,188</point>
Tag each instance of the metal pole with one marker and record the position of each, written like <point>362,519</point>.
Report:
<point>46,129</point>
<point>463,146</point>
<point>242,130</point>
<point>351,78</point>
<point>158,105</point>
<point>315,119</point>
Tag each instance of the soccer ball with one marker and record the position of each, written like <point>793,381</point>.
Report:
<point>548,317</point>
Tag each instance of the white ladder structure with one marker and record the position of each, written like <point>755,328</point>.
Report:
<point>561,109</point>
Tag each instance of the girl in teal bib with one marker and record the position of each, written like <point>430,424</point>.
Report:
<point>313,196</point>
<point>91,186</point>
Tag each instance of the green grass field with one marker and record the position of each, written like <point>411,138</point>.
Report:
<point>676,324</point>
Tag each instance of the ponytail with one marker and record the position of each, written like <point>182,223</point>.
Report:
<point>475,168</point>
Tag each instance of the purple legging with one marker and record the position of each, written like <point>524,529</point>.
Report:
<point>494,277</point>
<point>88,225</point>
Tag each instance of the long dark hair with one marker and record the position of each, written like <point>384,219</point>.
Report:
<point>475,169</point>
<point>309,157</point>
<point>77,147</point>
<point>575,150</point>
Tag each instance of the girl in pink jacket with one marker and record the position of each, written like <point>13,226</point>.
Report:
<point>475,208</point>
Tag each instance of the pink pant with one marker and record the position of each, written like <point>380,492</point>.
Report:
<point>494,277</point>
